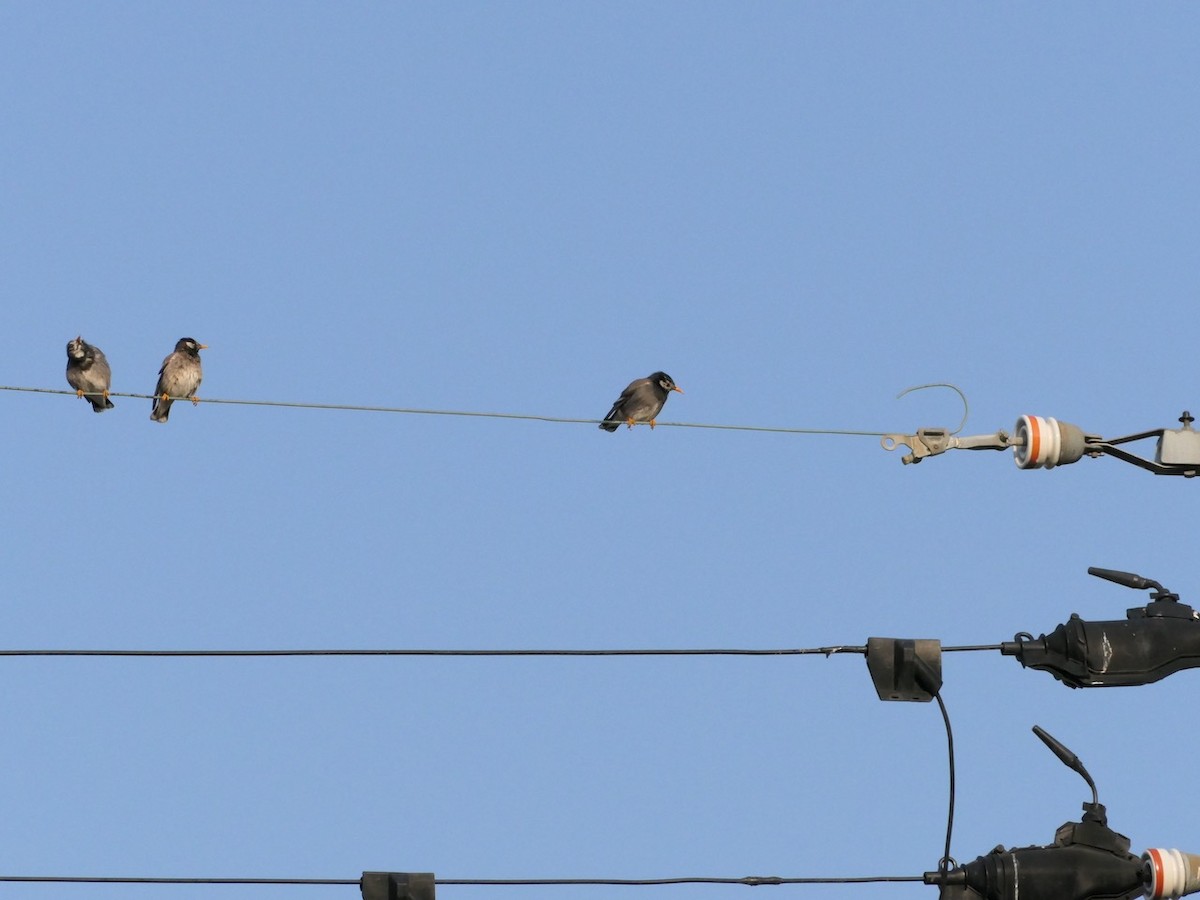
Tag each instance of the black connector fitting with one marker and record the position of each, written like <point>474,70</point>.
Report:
<point>1151,643</point>
<point>1087,861</point>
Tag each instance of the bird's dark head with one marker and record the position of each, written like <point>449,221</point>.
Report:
<point>190,346</point>
<point>78,349</point>
<point>666,382</point>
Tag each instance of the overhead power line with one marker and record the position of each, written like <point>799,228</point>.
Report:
<point>401,410</point>
<point>100,879</point>
<point>784,651</point>
<point>749,881</point>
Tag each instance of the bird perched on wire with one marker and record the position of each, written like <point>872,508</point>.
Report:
<point>179,377</point>
<point>642,401</point>
<point>88,373</point>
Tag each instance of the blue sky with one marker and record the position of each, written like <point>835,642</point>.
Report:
<point>798,211</point>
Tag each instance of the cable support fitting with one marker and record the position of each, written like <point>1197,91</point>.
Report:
<point>1041,442</point>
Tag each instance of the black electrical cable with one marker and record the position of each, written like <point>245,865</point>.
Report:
<point>970,648</point>
<point>750,881</point>
<point>797,651</point>
<point>118,880</point>
<point>945,863</point>
<point>827,651</point>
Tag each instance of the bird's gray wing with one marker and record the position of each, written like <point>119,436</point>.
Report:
<point>162,372</point>
<point>635,388</point>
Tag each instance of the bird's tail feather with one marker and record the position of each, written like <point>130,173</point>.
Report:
<point>613,420</point>
<point>162,409</point>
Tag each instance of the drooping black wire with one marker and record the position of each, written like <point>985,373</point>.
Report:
<point>945,863</point>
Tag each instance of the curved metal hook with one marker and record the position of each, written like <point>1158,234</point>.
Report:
<point>943,384</point>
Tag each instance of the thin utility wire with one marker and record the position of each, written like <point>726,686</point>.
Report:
<point>782,651</point>
<point>944,384</point>
<point>480,415</point>
<point>749,881</point>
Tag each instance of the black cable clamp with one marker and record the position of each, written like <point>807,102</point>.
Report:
<point>397,886</point>
<point>905,668</point>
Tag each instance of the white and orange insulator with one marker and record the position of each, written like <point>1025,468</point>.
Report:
<point>1043,443</point>
<point>1171,874</point>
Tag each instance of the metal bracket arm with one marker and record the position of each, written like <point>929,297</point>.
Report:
<point>935,441</point>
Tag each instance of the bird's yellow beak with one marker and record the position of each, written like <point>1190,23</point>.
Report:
<point>204,346</point>
<point>677,389</point>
